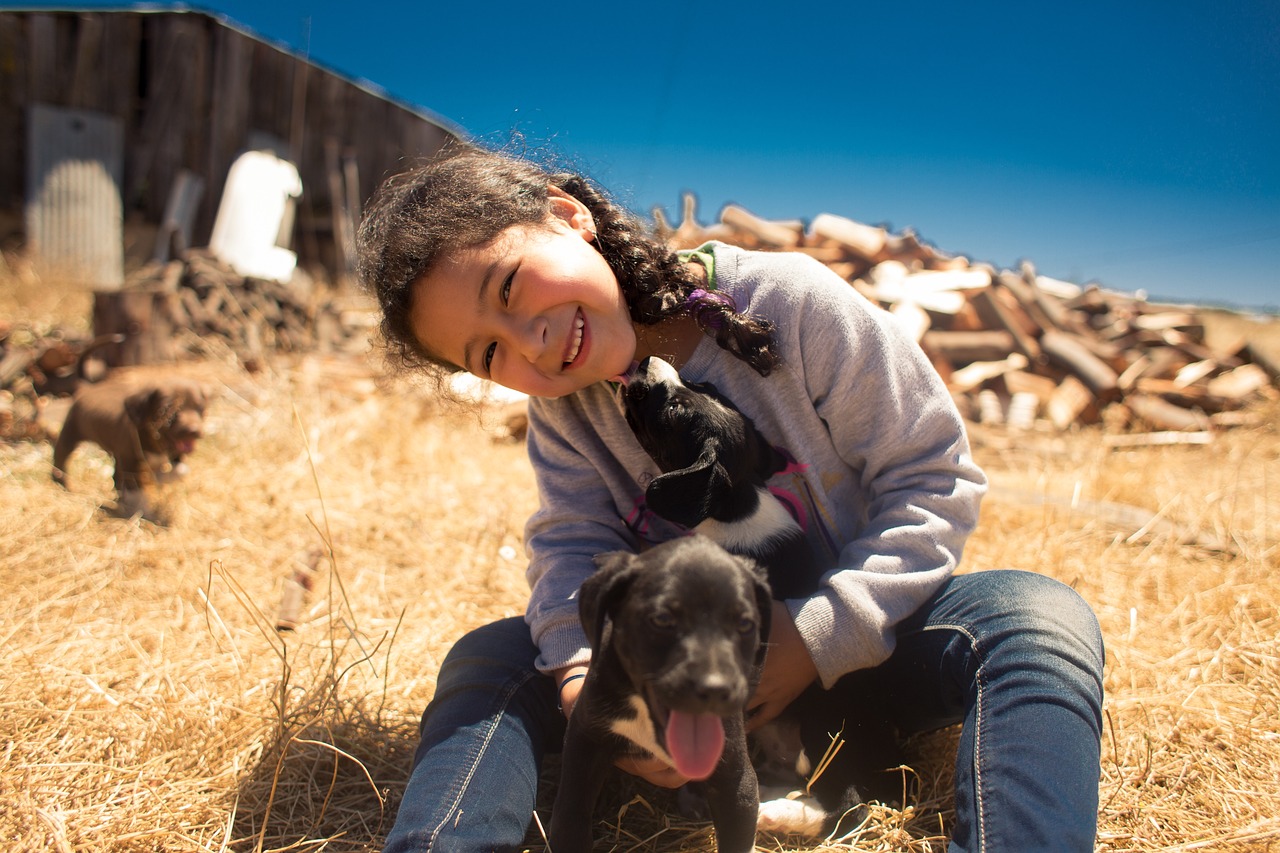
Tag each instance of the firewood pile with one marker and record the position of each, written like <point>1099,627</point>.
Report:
<point>177,310</point>
<point>1019,349</point>
<point>1015,348</point>
<point>200,296</point>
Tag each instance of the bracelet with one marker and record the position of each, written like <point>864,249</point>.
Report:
<point>560,707</point>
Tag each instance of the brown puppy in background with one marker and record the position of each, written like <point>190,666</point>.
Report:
<point>147,423</point>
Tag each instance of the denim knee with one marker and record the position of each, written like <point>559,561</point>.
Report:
<point>485,661</point>
<point>1035,628</point>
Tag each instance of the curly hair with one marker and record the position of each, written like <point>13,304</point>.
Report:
<point>466,196</point>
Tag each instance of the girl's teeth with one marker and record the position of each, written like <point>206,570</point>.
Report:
<point>577,340</point>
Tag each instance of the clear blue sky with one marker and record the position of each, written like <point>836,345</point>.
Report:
<point>1132,143</point>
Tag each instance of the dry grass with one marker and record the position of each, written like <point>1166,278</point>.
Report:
<point>147,703</point>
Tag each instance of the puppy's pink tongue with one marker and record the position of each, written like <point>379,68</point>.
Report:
<point>695,742</point>
<point>625,378</point>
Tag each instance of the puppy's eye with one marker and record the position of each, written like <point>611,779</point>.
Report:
<point>746,625</point>
<point>662,620</point>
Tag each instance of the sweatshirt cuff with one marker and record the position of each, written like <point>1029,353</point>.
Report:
<point>561,644</point>
<point>837,642</point>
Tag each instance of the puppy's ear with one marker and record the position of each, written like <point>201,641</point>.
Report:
<point>686,496</point>
<point>599,594</point>
<point>764,603</point>
<point>140,405</point>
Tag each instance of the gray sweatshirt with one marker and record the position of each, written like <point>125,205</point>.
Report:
<point>881,482</point>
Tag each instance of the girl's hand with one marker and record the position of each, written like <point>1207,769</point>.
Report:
<point>652,770</point>
<point>788,670</point>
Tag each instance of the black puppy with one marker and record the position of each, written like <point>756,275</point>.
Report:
<point>715,465</point>
<point>677,636</point>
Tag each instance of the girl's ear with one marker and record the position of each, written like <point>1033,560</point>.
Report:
<point>572,212</point>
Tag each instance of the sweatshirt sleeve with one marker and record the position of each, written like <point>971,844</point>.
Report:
<point>578,483</point>
<point>894,424</point>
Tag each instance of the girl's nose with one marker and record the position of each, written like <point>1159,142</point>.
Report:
<point>531,338</point>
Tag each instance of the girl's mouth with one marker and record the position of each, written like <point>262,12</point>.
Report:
<point>575,340</point>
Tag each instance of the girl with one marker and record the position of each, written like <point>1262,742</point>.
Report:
<point>536,280</point>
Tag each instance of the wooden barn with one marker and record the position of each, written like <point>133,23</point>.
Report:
<point>155,106</point>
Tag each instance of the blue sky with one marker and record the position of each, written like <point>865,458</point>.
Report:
<point>1132,143</point>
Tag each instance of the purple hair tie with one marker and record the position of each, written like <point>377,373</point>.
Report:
<point>705,311</point>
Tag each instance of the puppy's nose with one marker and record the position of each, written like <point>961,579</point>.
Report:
<point>715,689</point>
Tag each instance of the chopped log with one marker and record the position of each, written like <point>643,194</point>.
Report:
<point>865,241</point>
<point>1070,352</point>
<point>935,291</point>
<point>689,234</point>
<point>1238,383</point>
<point>978,372</point>
<point>1194,372</point>
<point>1136,370</point>
<point>990,407</point>
<point>1256,356</point>
<point>1023,408</point>
<point>1187,323</point>
<point>1069,401</point>
<point>1165,415</point>
<point>997,314</point>
<point>776,234</point>
<point>964,347</point>
<point>1170,388</point>
<point>1159,439</point>
<point>1023,382</point>
<point>825,254</point>
<point>1030,298</point>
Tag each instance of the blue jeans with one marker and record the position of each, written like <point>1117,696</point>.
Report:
<point>1015,656</point>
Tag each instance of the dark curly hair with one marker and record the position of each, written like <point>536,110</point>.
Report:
<point>466,196</point>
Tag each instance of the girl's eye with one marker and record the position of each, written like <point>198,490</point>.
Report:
<point>487,358</point>
<point>505,292</point>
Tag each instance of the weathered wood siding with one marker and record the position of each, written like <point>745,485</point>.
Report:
<point>192,91</point>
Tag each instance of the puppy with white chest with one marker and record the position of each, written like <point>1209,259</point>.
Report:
<point>715,466</point>
<point>677,636</point>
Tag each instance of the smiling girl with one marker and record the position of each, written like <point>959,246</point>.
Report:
<point>537,280</point>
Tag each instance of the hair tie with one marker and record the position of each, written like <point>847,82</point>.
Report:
<point>709,306</point>
<point>559,706</point>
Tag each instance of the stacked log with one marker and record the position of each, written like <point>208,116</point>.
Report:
<point>1017,348</point>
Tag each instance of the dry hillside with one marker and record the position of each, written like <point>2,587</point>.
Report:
<point>148,703</point>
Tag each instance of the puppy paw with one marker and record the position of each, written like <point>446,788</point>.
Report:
<point>173,474</point>
<point>786,816</point>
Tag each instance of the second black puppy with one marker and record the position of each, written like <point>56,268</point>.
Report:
<point>677,636</point>
<point>715,464</point>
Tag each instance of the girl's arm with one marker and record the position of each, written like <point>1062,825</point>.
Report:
<point>911,486</point>
<point>580,485</point>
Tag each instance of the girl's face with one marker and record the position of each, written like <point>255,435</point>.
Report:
<point>536,309</point>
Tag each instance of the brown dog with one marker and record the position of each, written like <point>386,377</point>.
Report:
<point>147,423</point>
